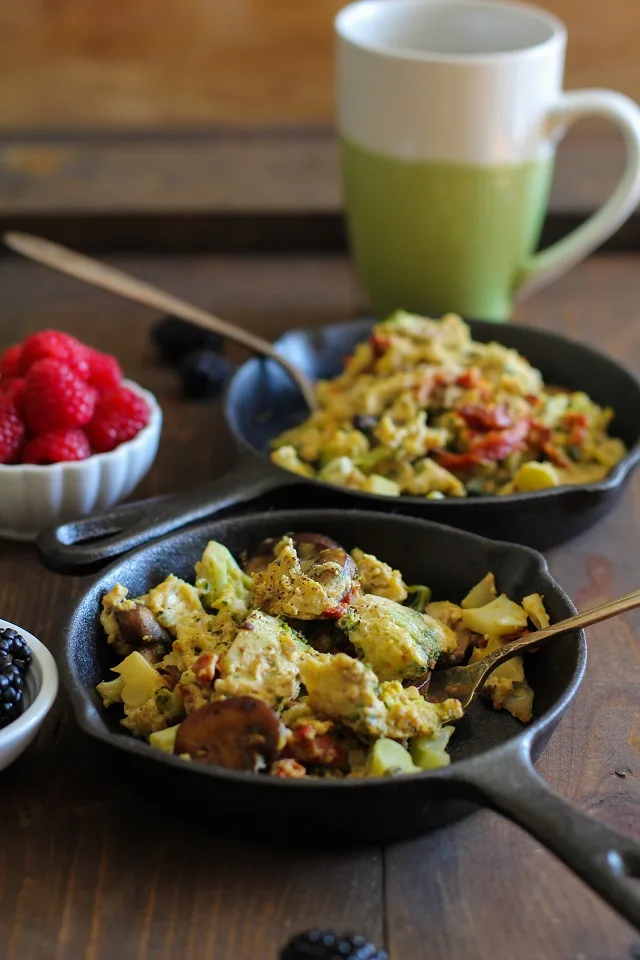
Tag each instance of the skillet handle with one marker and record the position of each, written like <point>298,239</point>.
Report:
<point>87,544</point>
<point>607,861</point>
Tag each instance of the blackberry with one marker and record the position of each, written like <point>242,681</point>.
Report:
<point>14,650</point>
<point>203,374</point>
<point>11,692</point>
<point>325,945</point>
<point>176,338</point>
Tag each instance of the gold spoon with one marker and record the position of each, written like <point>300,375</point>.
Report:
<point>108,278</point>
<point>464,683</point>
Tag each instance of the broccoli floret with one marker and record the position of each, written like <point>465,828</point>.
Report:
<point>220,581</point>
<point>420,597</point>
<point>396,641</point>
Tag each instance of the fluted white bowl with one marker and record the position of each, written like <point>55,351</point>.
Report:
<point>40,692</point>
<point>34,497</point>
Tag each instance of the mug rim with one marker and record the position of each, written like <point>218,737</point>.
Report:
<point>393,51</point>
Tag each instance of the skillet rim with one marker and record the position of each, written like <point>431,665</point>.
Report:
<point>83,706</point>
<point>611,481</point>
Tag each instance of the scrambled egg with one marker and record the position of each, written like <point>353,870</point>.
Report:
<point>396,641</point>
<point>422,409</point>
<point>284,589</point>
<point>263,661</point>
<point>378,577</point>
<point>354,711</point>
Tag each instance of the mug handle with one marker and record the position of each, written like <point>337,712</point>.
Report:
<point>541,268</point>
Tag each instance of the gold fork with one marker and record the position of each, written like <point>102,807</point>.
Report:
<point>464,683</point>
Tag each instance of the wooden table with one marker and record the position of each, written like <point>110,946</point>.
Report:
<point>89,871</point>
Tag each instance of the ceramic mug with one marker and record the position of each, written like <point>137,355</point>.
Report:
<point>449,116</point>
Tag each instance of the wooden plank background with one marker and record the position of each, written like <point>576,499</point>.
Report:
<point>143,64</point>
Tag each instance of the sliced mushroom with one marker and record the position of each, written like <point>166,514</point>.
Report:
<point>261,557</point>
<point>139,628</point>
<point>307,545</point>
<point>241,733</point>
<point>153,653</point>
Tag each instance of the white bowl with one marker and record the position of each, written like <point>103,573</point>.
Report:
<point>40,692</point>
<point>34,497</point>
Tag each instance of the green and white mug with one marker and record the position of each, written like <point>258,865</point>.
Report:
<point>449,116</point>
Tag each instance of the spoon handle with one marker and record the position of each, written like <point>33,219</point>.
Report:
<point>631,601</point>
<point>98,274</point>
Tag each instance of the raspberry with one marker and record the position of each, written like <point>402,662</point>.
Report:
<point>55,398</point>
<point>11,431</point>
<point>14,388</point>
<point>57,446</point>
<point>55,345</point>
<point>10,361</point>
<point>120,415</point>
<point>104,371</point>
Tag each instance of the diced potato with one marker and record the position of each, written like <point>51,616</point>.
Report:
<point>430,752</point>
<point>381,485</point>
<point>389,759</point>
<point>511,670</point>
<point>507,686</point>
<point>500,617</point>
<point>288,458</point>
<point>609,452</point>
<point>343,472</point>
<point>519,702</point>
<point>482,594</point>
<point>164,739</point>
<point>535,608</point>
<point>139,680</point>
<point>111,691</point>
<point>535,476</point>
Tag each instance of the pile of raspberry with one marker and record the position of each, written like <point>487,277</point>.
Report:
<point>62,400</point>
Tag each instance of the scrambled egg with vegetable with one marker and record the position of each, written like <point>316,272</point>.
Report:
<point>423,410</point>
<point>304,660</point>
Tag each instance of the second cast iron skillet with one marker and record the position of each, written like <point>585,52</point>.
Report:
<point>262,401</point>
<point>491,752</point>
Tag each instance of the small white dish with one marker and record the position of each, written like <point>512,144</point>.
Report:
<point>33,498</point>
<point>40,691</point>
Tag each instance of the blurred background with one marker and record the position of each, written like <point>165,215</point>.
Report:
<point>145,64</point>
<point>216,115</point>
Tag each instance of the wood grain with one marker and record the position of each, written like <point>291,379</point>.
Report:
<point>90,870</point>
<point>256,171</point>
<point>83,63</point>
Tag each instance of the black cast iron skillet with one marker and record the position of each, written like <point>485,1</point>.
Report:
<point>492,753</point>
<point>262,401</point>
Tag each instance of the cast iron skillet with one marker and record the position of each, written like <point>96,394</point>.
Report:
<point>262,401</point>
<point>492,752</point>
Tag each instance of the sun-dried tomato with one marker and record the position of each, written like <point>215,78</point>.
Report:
<point>308,747</point>
<point>469,379</point>
<point>539,434</point>
<point>555,455</point>
<point>288,768</point>
<point>495,417</point>
<point>487,447</point>
<point>334,613</point>
<point>379,344</point>
<point>578,424</point>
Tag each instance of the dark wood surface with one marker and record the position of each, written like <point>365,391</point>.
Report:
<point>236,190</point>
<point>90,870</point>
